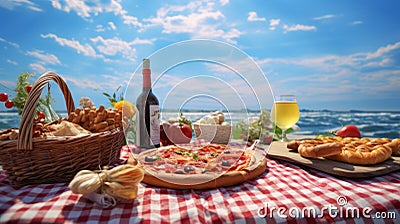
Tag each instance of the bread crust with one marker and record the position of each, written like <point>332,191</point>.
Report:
<point>395,146</point>
<point>358,151</point>
<point>363,155</point>
<point>321,150</point>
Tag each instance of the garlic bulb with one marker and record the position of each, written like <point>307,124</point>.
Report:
<point>121,181</point>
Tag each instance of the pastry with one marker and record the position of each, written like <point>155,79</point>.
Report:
<point>360,151</point>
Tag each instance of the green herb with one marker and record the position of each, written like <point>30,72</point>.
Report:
<point>278,132</point>
<point>261,126</point>
<point>113,98</point>
<point>20,99</point>
<point>328,134</point>
<point>182,152</point>
<point>255,128</point>
<point>195,157</point>
<point>44,104</point>
<point>181,120</point>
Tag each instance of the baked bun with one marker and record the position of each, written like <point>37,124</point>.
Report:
<point>395,146</point>
<point>322,150</point>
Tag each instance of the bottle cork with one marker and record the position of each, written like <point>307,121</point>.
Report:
<point>146,63</point>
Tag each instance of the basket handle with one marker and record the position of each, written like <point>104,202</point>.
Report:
<point>28,113</point>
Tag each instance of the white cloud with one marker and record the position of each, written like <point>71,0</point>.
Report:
<point>116,8</point>
<point>11,4</point>
<point>79,6</point>
<point>298,27</point>
<point>9,42</point>
<point>112,46</point>
<point>109,47</point>
<point>198,19</point>
<point>11,62</point>
<point>100,28</point>
<point>167,80</point>
<point>56,4</point>
<point>84,83</point>
<point>328,16</point>
<point>224,2</point>
<point>44,58</point>
<point>115,45</point>
<point>111,82</point>
<point>112,25</point>
<point>142,41</point>
<point>357,22</point>
<point>38,68</point>
<point>131,20</point>
<point>86,9</point>
<point>273,23</point>
<point>338,75</point>
<point>383,50</point>
<point>84,49</point>
<point>362,60</point>
<point>253,17</point>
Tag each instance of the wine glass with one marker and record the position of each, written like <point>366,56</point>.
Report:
<point>285,113</point>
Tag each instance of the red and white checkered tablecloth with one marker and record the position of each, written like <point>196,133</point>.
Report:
<point>284,193</point>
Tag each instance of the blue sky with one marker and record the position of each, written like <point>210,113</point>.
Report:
<point>337,55</point>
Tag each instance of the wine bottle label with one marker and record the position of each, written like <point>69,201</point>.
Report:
<point>155,124</point>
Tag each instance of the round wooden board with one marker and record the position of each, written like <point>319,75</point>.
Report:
<point>207,180</point>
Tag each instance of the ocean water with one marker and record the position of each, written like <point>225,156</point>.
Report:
<point>371,124</point>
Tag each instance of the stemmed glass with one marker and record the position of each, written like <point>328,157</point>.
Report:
<point>285,113</point>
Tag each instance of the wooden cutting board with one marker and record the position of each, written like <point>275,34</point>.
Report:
<point>278,150</point>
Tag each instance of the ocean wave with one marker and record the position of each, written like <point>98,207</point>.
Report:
<point>371,124</point>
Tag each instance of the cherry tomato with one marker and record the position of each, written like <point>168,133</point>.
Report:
<point>28,88</point>
<point>349,131</point>
<point>3,97</point>
<point>186,130</point>
<point>41,115</point>
<point>9,104</point>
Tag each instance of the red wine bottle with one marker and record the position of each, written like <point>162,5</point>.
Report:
<point>148,119</point>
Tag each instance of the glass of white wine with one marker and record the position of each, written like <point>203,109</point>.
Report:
<point>285,113</point>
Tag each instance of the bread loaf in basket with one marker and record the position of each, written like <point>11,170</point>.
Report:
<point>29,160</point>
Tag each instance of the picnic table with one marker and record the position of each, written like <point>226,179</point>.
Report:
<point>283,193</point>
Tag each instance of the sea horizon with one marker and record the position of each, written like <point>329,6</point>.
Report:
<point>312,122</point>
<point>248,110</point>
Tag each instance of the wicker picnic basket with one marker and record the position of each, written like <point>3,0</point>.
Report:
<point>28,160</point>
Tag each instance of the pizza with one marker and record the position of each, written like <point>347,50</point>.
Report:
<point>199,167</point>
<point>358,151</point>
